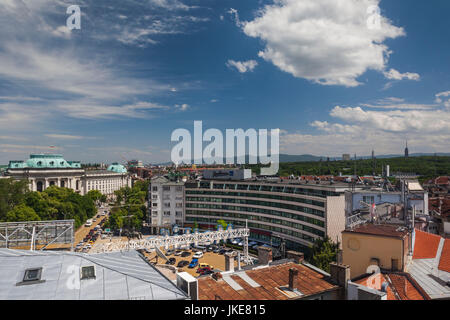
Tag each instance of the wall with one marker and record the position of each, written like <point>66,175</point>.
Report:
<point>359,249</point>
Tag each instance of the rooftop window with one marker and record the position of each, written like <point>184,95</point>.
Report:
<point>32,274</point>
<point>87,272</point>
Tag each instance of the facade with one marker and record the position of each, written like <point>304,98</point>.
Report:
<point>166,203</point>
<point>415,197</point>
<point>45,170</point>
<point>299,213</point>
<point>227,174</point>
<point>385,246</point>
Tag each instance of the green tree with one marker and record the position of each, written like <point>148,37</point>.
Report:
<point>95,195</point>
<point>324,251</point>
<point>12,193</point>
<point>22,213</point>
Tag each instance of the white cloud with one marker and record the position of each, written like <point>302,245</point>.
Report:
<point>358,130</point>
<point>182,107</point>
<point>64,136</point>
<point>446,100</point>
<point>325,41</point>
<point>395,75</point>
<point>242,66</point>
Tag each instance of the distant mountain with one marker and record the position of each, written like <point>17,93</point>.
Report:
<point>299,158</point>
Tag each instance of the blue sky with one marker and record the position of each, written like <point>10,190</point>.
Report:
<point>321,71</point>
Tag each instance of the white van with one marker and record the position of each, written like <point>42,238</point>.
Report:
<point>88,223</point>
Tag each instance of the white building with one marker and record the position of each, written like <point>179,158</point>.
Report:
<point>166,203</point>
<point>45,170</point>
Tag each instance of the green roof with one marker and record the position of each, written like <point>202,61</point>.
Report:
<point>44,161</point>
<point>116,167</point>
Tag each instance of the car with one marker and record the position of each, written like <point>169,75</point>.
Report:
<point>94,220</point>
<point>198,255</point>
<point>169,252</point>
<point>171,261</point>
<point>98,216</point>
<point>240,244</point>
<point>200,270</point>
<point>216,250</point>
<point>209,248</point>
<point>182,263</point>
<point>193,263</point>
<point>205,265</point>
<point>178,253</point>
<point>206,272</point>
<point>185,254</point>
<point>222,251</point>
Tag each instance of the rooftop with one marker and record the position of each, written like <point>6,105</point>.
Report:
<point>117,276</point>
<point>264,283</point>
<point>380,230</point>
<point>400,286</point>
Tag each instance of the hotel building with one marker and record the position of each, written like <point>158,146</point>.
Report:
<point>299,213</point>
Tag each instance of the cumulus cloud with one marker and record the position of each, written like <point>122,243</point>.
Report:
<point>359,129</point>
<point>395,75</point>
<point>329,42</point>
<point>242,66</point>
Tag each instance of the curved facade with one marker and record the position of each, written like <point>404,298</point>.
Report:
<point>297,213</point>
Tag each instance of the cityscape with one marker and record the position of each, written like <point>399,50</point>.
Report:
<point>232,151</point>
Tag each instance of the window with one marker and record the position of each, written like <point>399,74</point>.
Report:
<point>32,275</point>
<point>369,199</point>
<point>179,205</point>
<point>88,272</point>
<point>154,188</point>
<point>166,188</point>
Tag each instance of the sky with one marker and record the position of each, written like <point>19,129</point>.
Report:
<point>335,76</point>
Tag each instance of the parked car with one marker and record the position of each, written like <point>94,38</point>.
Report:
<point>217,250</point>
<point>193,263</point>
<point>185,254</point>
<point>182,263</point>
<point>205,265</point>
<point>178,253</point>
<point>198,255</point>
<point>171,261</point>
<point>206,271</point>
<point>222,251</point>
<point>169,252</point>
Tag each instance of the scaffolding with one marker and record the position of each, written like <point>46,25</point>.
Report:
<point>33,234</point>
<point>177,242</point>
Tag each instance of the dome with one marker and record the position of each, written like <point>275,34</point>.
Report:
<point>45,161</point>
<point>116,167</point>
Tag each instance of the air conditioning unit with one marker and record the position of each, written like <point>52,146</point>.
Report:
<point>188,284</point>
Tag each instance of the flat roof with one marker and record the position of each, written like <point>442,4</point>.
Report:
<point>379,230</point>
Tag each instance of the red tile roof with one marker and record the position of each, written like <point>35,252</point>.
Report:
<point>444,263</point>
<point>270,279</point>
<point>401,286</point>
<point>425,245</point>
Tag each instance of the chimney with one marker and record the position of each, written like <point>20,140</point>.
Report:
<point>293,278</point>
<point>297,256</point>
<point>340,274</point>
<point>229,262</point>
<point>217,276</point>
<point>264,255</point>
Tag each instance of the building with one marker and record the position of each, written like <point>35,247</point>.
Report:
<point>288,279</point>
<point>406,150</point>
<point>227,174</point>
<point>290,211</point>
<point>385,246</point>
<point>346,157</point>
<point>166,203</point>
<point>45,170</point>
<point>414,196</point>
<point>418,260</point>
<point>49,275</point>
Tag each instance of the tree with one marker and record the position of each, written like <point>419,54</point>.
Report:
<point>95,195</point>
<point>12,193</point>
<point>324,251</point>
<point>223,224</point>
<point>22,213</point>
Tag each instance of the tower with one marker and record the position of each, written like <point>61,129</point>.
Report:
<point>406,150</point>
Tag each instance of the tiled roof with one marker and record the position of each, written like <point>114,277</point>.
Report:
<point>425,245</point>
<point>400,286</point>
<point>380,230</point>
<point>270,279</point>
<point>444,263</point>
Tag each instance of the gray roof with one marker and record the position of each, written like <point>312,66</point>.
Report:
<point>119,276</point>
<point>429,277</point>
